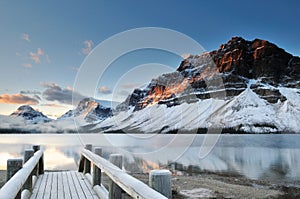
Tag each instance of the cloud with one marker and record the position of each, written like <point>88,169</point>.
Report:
<point>63,95</point>
<point>104,90</point>
<point>36,57</point>
<point>130,85</point>
<point>88,47</point>
<point>27,65</point>
<point>25,37</point>
<point>124,93</point>
<point>31,92</point>
<point>37,97</point>
<point>17,99</point>
<point>54,105</point>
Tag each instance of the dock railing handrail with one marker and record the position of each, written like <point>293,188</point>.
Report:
<point>17,183</point>
<point>130,185</point>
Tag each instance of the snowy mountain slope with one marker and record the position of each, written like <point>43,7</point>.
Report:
<point>88,110</point>
<point>27,120</point>
<point>243,87</point>
<point>30,115</point>
<point>246,112</point>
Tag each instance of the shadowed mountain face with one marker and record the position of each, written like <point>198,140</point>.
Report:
<point>232,68</point>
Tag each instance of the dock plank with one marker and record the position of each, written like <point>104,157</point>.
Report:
<point>72,187</point>
<point>42,187</point>
<point>63,185</point>
<point>80,191</point>
<point>53,192</point>
<point>47,192</point>
<point>85,186</point>
<point>37,186</point>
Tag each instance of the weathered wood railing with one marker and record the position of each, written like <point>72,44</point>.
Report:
<point>122,185</point>
<point>20,177</point>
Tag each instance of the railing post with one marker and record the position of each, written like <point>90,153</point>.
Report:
<point>115,192</point>
<point>41,165</point>
<point>27,155</point>
<point>39,169</point>
<point>97,171</point>
<point>13,166</point>
<point>81,164</point>
<point>87,163</point>
<point>36,148</point>
<point>160,180</point>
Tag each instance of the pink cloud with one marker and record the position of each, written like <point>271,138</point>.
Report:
<point>104,90</point>
<point>131,85</point>
<point>17,99</point>
<point>54,105</point>
<point>88,47</point>
<point>27,65</point>
<point>36,57</point>
<point>25,37</point>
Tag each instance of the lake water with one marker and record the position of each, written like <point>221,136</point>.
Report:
<point>268,157</point>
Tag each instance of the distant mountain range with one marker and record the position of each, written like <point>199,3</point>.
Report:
<point>243,87</point>
<point>27,120</point>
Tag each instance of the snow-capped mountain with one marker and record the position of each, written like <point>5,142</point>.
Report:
<point>30,115</point>
<point>90,110</point>
<point>244,86</point>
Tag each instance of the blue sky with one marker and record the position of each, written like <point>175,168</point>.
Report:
<point>43,43</point>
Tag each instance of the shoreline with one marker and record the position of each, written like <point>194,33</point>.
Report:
<point>216,185</point>
<point>87,130</point>
<point>223,185</point>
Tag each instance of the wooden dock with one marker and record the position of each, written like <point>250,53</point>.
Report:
<point>63,185</point>
<point>26,179</point>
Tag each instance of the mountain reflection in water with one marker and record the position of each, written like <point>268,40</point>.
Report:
<point>268,157</point>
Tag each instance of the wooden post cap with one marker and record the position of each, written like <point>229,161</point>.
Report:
<point>160,180</point>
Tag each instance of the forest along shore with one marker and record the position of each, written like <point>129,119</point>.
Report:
<point>213,185</point>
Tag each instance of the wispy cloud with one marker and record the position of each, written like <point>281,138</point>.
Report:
<point>54,105</point>
<point>25,37</point>
<point>88,46</point>
<point>104,90</point>
<point>130,85</point>
<point>17,99</point>
<point>27,65</point>
<point>37,97</point>
<point>32,57</point>
<point>36,56</point>
<point>54,92</point>
<point>30,92</point>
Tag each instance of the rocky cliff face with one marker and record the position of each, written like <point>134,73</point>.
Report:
<point>244,86</point>
<point>225,72</point>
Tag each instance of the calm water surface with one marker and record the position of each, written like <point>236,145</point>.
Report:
<point>268,157</point>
